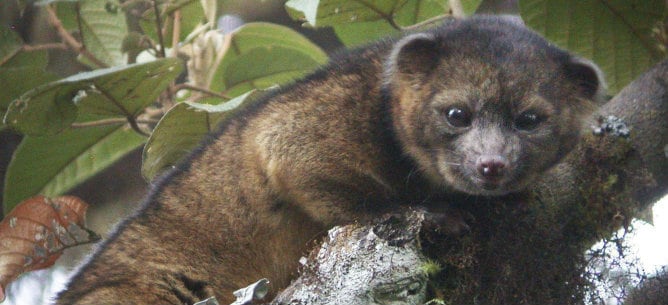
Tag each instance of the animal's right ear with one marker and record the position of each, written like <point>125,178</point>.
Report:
<point>413,58</point>
<point>588,77</point>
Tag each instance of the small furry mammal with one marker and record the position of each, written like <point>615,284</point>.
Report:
<point>479,106</point>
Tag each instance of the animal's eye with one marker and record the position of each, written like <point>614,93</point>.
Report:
<point>528,120</point>
<point>458,117</point>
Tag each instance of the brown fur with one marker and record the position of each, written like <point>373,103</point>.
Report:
<point>361,137</point>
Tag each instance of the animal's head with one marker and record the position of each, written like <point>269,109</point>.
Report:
<point>485,105</point>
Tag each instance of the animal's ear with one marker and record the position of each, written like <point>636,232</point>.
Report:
<point>588,78</point>
<point>413,57</point>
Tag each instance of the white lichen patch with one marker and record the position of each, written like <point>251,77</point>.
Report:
<point>355,266</point>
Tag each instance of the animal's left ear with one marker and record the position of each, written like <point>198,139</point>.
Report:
<point>588,77</point>
<point>413,58</point>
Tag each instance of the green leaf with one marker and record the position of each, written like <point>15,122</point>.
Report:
<point>10,44</point>
<point>113,92</point>
<point>357,22</point>
<point>19,71</point>
<point>262,55</point>
<point>19,80</point>
<point>415,11</point>
<point>247,71</point>
<point>614,34</point>
<point>54,164</point>
<point>103,28</point>
<point>183,127</point>
<point>334,12</point>
<point>470,6</point>
<point>355,34</point>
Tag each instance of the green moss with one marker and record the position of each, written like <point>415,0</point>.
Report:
<point>431,268</point>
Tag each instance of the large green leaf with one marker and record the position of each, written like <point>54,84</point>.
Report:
<point>247,70</point>
<point>615,33</point>
<point>19,80</point>
<point>113,92</point>
<point>182,128</point>
<point>356,22</point>
<point>52,165</point>
<point>321,13</point>
<point>19,71</point>
<point>262,55</point>
<point>359,33</point>
<point>103,28</point>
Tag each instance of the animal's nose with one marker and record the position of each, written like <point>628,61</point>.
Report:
<point>492,167</point>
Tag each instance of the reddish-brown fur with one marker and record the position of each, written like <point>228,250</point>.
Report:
<point>358,138</point>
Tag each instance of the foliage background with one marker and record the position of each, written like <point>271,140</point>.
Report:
<point>129,86</point>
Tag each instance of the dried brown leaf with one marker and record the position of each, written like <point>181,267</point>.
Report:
<point>35,233</point>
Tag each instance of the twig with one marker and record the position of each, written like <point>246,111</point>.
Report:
<point>77,10</point>
<point>200,89</point>
<point>69,40</point>
<point>32,48</point>
<point>107,122</point>
<point>392,23</point>
<point>158,23</point>
<point>176,32</point>
<point>151,114</point>
<point>45,46</point>
<point>9,56</point>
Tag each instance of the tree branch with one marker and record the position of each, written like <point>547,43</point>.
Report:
<point>358,265</point>
<point>69,40</point>
<point>521,249</point>
<point>158,24</point>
